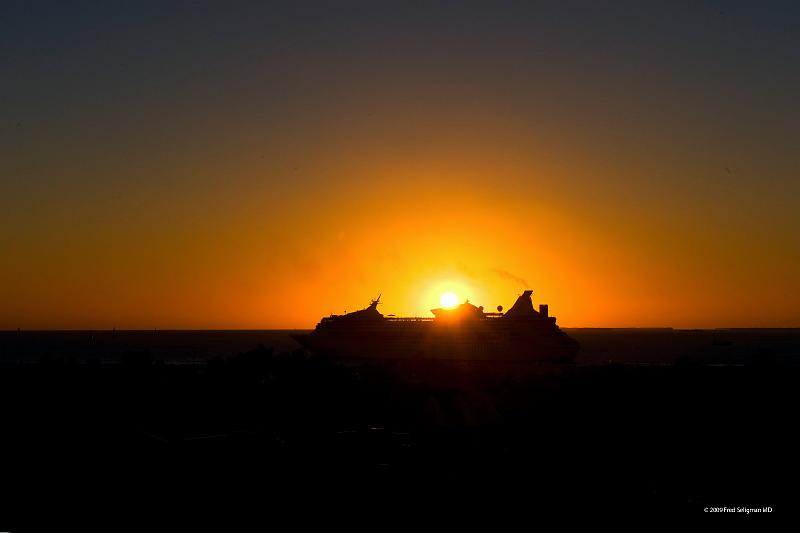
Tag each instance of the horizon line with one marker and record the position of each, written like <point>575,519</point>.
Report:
<point>153,330</point>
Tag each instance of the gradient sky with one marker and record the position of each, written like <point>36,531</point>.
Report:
<point>242,165</point>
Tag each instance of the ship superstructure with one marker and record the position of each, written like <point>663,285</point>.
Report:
<point>465,332</point>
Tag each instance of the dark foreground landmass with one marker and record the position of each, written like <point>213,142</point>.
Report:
<point>710,422</point>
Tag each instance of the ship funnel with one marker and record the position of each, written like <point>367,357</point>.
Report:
<point>374,303</point>
<point>523,307</point>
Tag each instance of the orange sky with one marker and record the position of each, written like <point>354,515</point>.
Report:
<point>621,196</point>
<point>484,219</point>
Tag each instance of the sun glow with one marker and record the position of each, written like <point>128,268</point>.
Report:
<point>448,300</point>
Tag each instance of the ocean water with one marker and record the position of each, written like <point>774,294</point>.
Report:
<point>621,430</point>
<point>598,346</point>
<point>171,346</point>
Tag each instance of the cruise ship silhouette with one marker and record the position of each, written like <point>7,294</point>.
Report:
<point>465,332</point>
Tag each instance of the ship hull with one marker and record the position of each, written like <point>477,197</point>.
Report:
<point>491,341</point>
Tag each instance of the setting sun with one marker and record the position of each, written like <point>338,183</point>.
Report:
<point>448,300</point>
